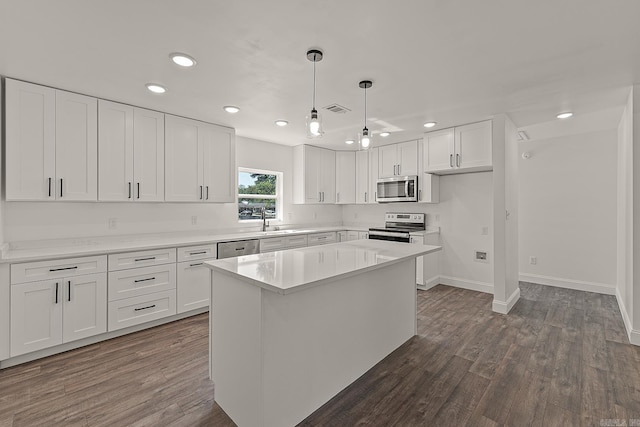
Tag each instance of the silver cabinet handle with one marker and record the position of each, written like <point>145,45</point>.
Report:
<point>56,292</point>
<point>138,190</point>
<point>196,264</point>
<point>398,169</point>
<point>451,160</point>
<point>198,253</point>
<point>207,192</point>
<point>129,189</point>
<point>49,187</point>
<point>61,187</point>
<point>458,160</point>
<point>69,289</point>
<point>144,280</point>
<point>144,308</point>
<point>64,268</point>
<point>201,192</point>
<point>145,259</point>
<point>319,196</point>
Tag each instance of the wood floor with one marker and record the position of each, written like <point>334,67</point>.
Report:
<point>561,357</point>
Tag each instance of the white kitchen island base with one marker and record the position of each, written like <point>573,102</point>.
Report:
<point>277,358</point>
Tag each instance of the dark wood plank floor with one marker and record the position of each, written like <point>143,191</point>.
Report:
<point>561,357</point>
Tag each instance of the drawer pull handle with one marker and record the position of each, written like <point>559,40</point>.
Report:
<point>239,249</point>
<point>144,308</point>
<point>145,259</point>
<point>196,264</point>
<point>61,269</point>
<point>56,292</point>
<point>69,284</point>
<point>197,253</point>
<point>144,280</point>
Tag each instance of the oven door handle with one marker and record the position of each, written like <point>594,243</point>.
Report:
<point>388,234</point>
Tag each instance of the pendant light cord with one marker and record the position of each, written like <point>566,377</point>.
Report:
<point>314,81</point>
<point>365,106</point>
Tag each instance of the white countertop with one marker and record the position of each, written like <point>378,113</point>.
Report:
<point>66,248</point>
<point>297,269</point>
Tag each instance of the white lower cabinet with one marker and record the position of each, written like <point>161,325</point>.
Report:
<point>419,240</point>
<point>56,311</point>
<point>145,308</point>
<point>427,266</point>
<point>322,238</point>
<point>194,283</point>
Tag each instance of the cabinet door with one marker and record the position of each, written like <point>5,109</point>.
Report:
<point>219,164</point>
<point>372,195</point>
<point>345,177</point>
<point>194,286</point>
<point>363,235</point>
<point>362,176</point>
<point>388,161</point>
<point>36,316</point>
<point>473,145</point>
<point>328,176</point>
<point>183,170</point>
<point>353,235</point>
<point>148,155</point>
<point>408,158</point>
<point>85,306</point>
<point>417,240</point>
<point>115,151</point>
<point>312,169</point>
<point>439,151</point>
<point>30,141</point>
<point>76,147</point>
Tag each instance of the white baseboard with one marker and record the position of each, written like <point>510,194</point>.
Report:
<point>634,335</point>
<point>504,307</point>
<point>577,285</point>
<point>467,284</point>
<point>430,283</point>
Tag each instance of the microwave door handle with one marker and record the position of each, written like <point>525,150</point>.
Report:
<point>406,188</point>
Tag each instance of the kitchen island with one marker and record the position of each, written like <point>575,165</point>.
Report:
<point>290,329</point>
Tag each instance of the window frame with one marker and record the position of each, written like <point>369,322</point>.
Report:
<point>278,196</point>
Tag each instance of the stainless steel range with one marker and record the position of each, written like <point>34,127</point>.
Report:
<point>399,226</point>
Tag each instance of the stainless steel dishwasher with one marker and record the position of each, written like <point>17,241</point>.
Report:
<point>238,247</point>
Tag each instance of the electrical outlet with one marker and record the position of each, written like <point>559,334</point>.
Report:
<point>194,220</point>
<point>485,231</point>
<point>533,260</point>
<point>481,256</point>
<point>113,223</point>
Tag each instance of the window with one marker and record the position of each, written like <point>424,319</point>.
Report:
<point>258,190</point>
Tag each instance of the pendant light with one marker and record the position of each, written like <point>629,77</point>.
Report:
<point>365,138</point>
<point>314,120</point>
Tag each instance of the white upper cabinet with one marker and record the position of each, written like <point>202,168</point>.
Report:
<point>398,159</point>
<point>199,160</point>
<point>131,153</point>
<point>51,143</point>
<point>345,177</point>
<point>461,149</point>
<point>314,172</point>
<point>362,177</point>
<point>76,146</point>
<point>30,141</point>
<point>374,174</point>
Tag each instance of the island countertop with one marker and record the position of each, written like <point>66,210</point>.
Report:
<point>293,270</point>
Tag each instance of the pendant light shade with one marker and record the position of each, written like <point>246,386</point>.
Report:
<point>365,138</point>
<point>314,119</point>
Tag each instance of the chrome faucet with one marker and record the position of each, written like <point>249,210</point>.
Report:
<point>263,216</point>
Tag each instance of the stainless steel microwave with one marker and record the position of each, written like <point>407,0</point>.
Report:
<point>397,189</point>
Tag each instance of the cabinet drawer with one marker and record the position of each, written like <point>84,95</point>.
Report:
<point>134,311</point>
<point>273,244</point>
<point>191,253</point>
<point>43,270</point>
<point>296,241</point>
<point>141,281</point>
<point>141,259</point>
<point>322,238</point>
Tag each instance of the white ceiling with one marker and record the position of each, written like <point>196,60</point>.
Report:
<point>450,61</point>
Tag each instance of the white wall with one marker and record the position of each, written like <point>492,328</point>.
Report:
<point>465,208</point>
<point>40,220</point>
<point>568,211</point>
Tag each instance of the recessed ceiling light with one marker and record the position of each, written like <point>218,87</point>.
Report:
<point>565,115</point>
<point>430,124</point>
<point>384,134</point>
<point>156,88</point>
<point>349,141</point>
<point>182,59</point>
<point>281,122</point>
<point>231,109</point>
